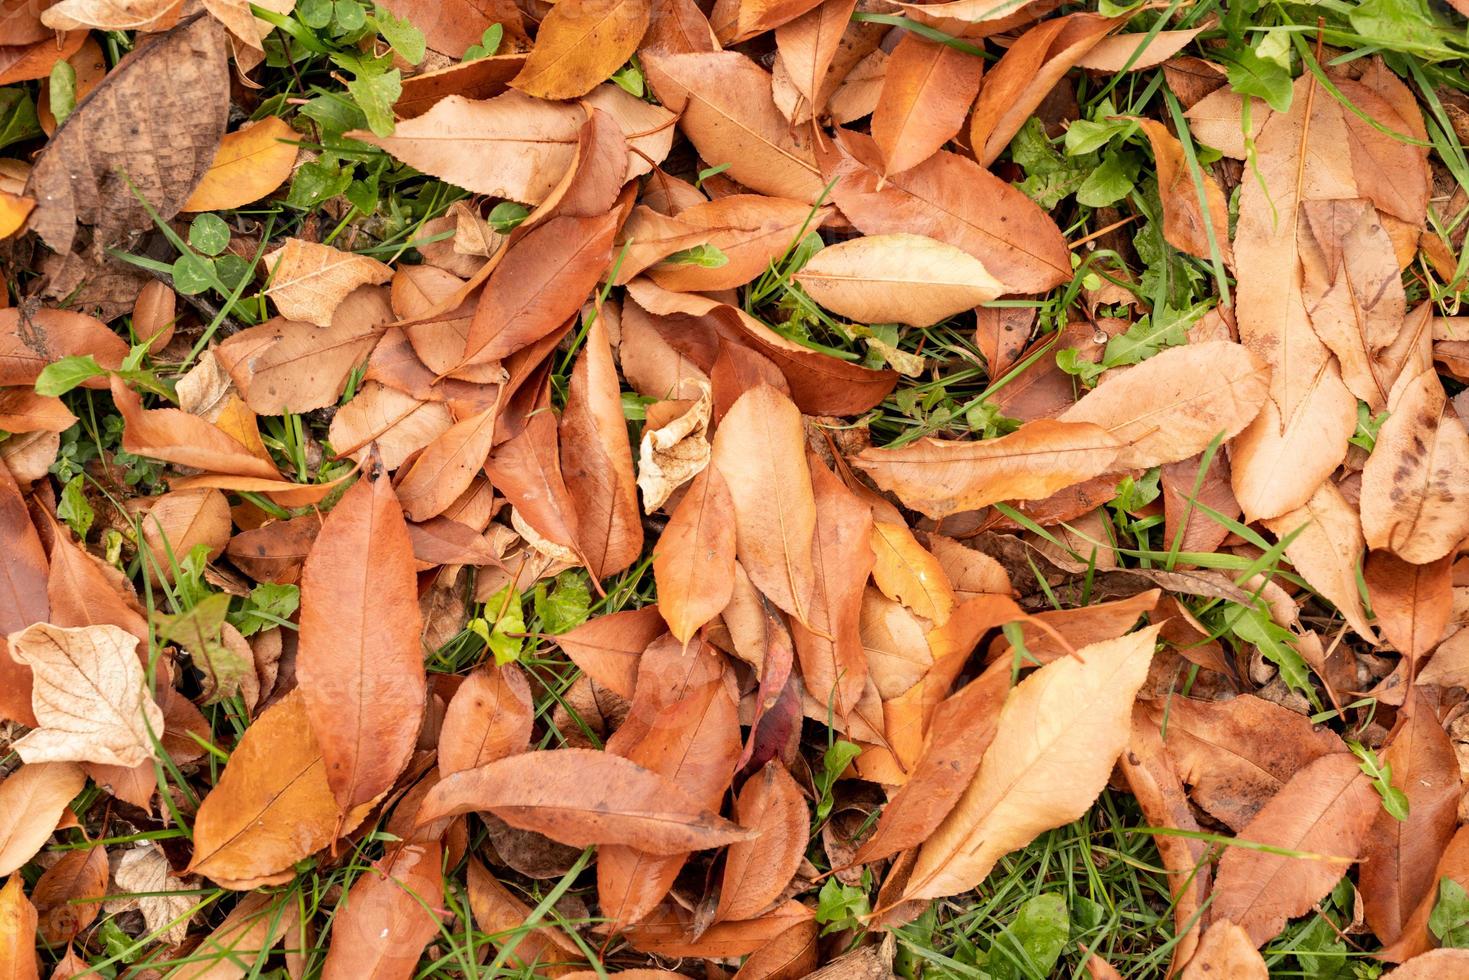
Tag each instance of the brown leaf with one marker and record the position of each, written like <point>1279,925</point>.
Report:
<point>1057,738</point>
<point>501,915</point>
<point>674,447</point>
<point>1154,781</point>
<point>962,728</point>
<point>897,278</point>
<point>926,95</point>
<point>274,552</point>
<point>17,932</point>
<point>447,465</point>
<point>388,917</point>
<point>1236,755</point>
<point>258,924</point>
<point>757,872</point>
<point>68,896</point>
<point>608,648</point>
<point>667,932</point>
<point>1325,811</point>
<point>1028,70</point>
<point>359,666</point>
<point>1412,603</point>
<point>77,180</point>
<point>398,423</point>
<point>249,164</point>
<point>596,461</point>
<point>833,662</point>
<point>751,230</point>
<point>308,281</point>
<point>89,695</point>
<point>488,718</point>
<point>1416,937</point>
<point>952,199</point>
<point>684,726</point>
<point>808,46</point>
<point>582,797</point>
<point>1300,436</point>
<point>1186,221</point>
<point>760,451</point>
<point>694,559</point>
<point>580,44</point>
<point>543,280</point>
<point>1175,403</point>
<point>729,116</point>
<point>906,572</point>
<point>272,805</point>
<point>35,798</point>
<point>1226,952</point>
<point>1433,965</point>
<point>177,437</point>
<point>527,470</point>
<point>1415,481</point>
<point>23,596</point>
<point>1399,857</point>
<point>32,339</point>
<point>1134,52</point>
<point>941,477</point>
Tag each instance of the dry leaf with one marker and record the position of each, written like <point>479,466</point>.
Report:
<point>488,718</point>
<point>581,43</point>
<point>90,696</point>
<point>359,666</point>
<point>926,94</point>
<point>694,558</point>
<point>1187,223</point>
<point>1058,735</point>
<point>17,932</point>
<point>145,870</point>
<point>308,281</point>
<point>1325,811</point>
<point>941,477</point>
<point>757,872</point>
<point>1226,953</point>
<point>898,278</point>
<point>388,917</point>
<point>35,798</point>
<point>249,164</point>
<point>581,797</point>
<point>61,894</point>
<point>674,448</point>
<point>1413,603</point>
<point>759,449</point>
<point>1328,551</point>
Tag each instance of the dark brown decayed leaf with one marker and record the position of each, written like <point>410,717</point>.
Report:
<point>1326,811</point>
<point>581,797</point>
<point>78,179</point>
<point>359,665</point>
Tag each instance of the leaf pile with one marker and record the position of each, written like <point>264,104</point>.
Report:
<point>672,490</point>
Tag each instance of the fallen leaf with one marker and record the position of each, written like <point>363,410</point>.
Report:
<point>808,46</point>
<point>17,932</point>
<point>89,695</point>
<point>674,447</point>
<point>579,44</point>
<point>926,95</point>
<point>77,179</point>
<point>35,797</point>
<point>1432,965</point>
<point>759,449</point>
<point>897,278</point>
<point>756,872</point>
<point>359,666</point>
<point>596,460</point>
<point>1328,551</point>
<point>952,199</point>
<point>388,916</point>
<point>751,230</point>
<point>582,797</point>
<point>254,927</point>
<point>488,718</point>
<point>940,477</point>
<point>249,164</point>
<point>1226,951</point>
<point>308,281</point>
<point>1187,221</point>
<point>907,572</point>
<point>730,117</point>
<point>447,465</point>
<point>499,914</point>
<point>272,805</point>
<point>1300,436</point>
<point>1058,735</point>
<point>69,894</point>
<point>1413,603</point>
<point>145,871</point>
<point>1418,475</point>
<point>693,563</point>
<point>23,596</point>
<point>1135,52</point>
<point>1324,811</point>
<point>608,647</point>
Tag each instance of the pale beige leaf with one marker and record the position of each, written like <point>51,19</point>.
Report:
<point>897,278</point>
<point>1059,733</point>
<point>90,696</point>
<point>145,870</point>
<point>1328,551</point>
<point>308,281</point>
<point>1174,404</point>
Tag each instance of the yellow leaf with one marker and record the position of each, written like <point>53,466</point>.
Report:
<point>249,164</point>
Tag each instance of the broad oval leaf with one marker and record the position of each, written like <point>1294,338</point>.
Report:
<point>581,43</point>
<point>897,278</point>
